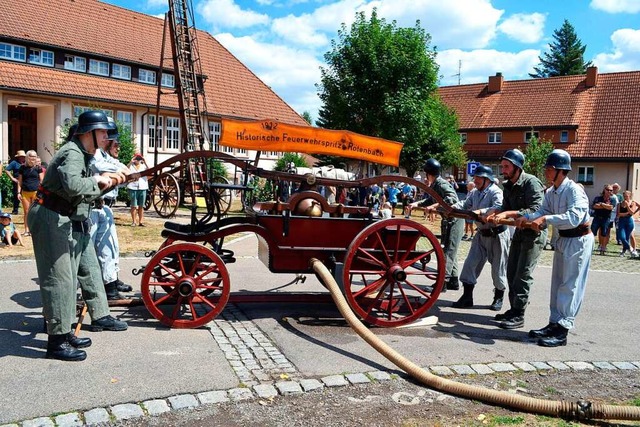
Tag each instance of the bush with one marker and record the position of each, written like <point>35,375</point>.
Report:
<point>6,187</point>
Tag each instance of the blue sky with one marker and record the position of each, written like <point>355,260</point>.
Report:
<point>283,41</point>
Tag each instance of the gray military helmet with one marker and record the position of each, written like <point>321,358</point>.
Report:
<point>559,159</point>
<point>92,120</point>
<point>483,172</point>
<point>514,156</point>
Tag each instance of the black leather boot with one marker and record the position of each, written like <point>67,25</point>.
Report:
<point>466,300</point>
<point>498,296</point>
<point>504,316</point>
<point>557,338</point>
<point>108,323</point>
<point>544,332</point>
<point>78,342</point>
<point>123,287</point>
<point>453,284</point>
<point>58,347</point>
<point>112,291</point>
<point>515,321</point>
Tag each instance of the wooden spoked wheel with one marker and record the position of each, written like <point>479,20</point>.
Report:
<point>185,285</point>
<point>166,195</point>
<point>393,272</point>
<point>225,195</point>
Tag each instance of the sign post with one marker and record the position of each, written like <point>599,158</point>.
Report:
<point>471,167</point>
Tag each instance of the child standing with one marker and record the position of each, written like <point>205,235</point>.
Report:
<point>8,232</point>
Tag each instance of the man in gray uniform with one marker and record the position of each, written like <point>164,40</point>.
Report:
<point>451,229</point>
<point>63,207</point>
<point>523,193</point>
<point>491,243</point>
<point>566,207</point>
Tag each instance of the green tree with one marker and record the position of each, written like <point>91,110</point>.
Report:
<point>565,56</point>
<point>295,158</point>
<point>307,117</point>
<point>536,154</point>
<point>381,80</point>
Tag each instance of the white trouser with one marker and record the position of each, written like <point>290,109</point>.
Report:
<point>494,249</point>
<point>105,240</point>
<point>571,261</point>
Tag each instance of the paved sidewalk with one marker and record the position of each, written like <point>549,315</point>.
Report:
<point>255,348</point>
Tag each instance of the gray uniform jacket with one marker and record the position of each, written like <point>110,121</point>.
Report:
<point>485,200</point>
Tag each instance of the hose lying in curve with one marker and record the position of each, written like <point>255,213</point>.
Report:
<point>581,410</point>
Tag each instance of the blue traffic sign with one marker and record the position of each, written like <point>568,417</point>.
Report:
<point>471,167</point>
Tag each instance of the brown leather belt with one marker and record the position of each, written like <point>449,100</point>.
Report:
<point>54,202</point>
<point>492,232</point>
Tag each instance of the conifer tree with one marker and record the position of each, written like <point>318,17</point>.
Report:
<point>565,56</point>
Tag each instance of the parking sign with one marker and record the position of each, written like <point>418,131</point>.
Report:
<point>471,167</point>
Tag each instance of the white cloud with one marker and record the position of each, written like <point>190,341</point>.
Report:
<point>290,72</point>
<point>525,28</point>
<point>227,14</point>
<point>314,29</point>
<point>463,23</point>
<point>154,4</point>
<point>478,65</point>
<point>616,6</point>
<point>625,55</point>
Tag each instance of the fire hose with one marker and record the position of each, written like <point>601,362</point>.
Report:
<point>580,410</point>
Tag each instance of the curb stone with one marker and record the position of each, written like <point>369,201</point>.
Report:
<point>157,407</point>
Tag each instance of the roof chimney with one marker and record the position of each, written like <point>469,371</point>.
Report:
<point>592,77</point>
<point>495,83</point>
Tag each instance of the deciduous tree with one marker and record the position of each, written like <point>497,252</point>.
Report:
<point>381,80</point>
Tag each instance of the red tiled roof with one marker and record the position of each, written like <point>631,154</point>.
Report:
<point>607,115</point>
<point>103,30</point>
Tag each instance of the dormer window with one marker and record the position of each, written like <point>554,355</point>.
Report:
<point>168,80</point>
<point>121,71</point>
<point>495,137</point>
<point>529,135</point>
<point>13,52</point>
<point>98,67</point>
<point>564,136</point>
<point>463,138</point>
<point>147,76</point>
<point>41,57</point>
<point>75,63</point>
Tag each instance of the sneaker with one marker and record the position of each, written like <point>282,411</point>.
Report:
<point>108,323</point>
<point>633,254</point>
<point>622,254</point>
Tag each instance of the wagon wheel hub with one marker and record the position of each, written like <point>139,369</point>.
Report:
<point>186,287</point>
<point>397,273</point>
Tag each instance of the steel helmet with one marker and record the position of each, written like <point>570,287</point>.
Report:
<point>514,156</point>
<point>432,167</point>
<point>484,172</point>
<point>72,131</point>
<point>112,130</point>
<point>559,159</point>
<point>92,120</point>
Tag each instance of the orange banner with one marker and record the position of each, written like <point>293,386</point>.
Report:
<point>270,135</point>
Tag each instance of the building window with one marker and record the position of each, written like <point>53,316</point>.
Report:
<point>125,118</point>
<point>153,137</point>
<point>75,63</point>
<point>41,57</point>
<point>13,52</point>
<point>564,136</point>
<point>529,135</point>
<point>78,109</point>
<point>241,152</point>
<point>214,135</point>
<point>98,67</point>
<point>173,133</point>
<point>146,76</point>
<point>168,80</point>
<point>463,138</point>
<point>121,71</point>
<point>585,175</point>
<point>495,137</point>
